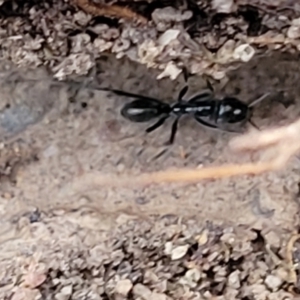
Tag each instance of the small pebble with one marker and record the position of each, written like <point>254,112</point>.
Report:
<point>272,238</point>
<point>179,252</point>
<point>282,273</point>
<point>123,287</point>
<point>202,238</point>
<point>294,30</point>
<point>158,296</point>
<point>7,195</point>
<point>67,290</point>
<point>273,282</point>
<point>140,290</point>
<point>191,278</point>
<point>228,238</point>
<point>168,248</point>
<point>193,275</point>
<point>34,279</point>
<point>34,216</point>
<point>234,279</point>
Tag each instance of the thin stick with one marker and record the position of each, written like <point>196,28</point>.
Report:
<point>278,146</point>
<point>190,176</point>
<point>96,180</point>
<point>100,9</point>
<point>289,257</point>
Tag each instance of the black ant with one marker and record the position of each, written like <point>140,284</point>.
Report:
<point>219,112</point>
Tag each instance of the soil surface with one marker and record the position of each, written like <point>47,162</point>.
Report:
<point>65,238</point>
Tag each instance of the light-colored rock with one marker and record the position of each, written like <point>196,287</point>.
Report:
<point>234,279</point>
<point>168,248</point>
<point>224,6</point>
<point>294,30</point>
<point>273,282</point>
<point>179,252</point>
<point>243,52</point>
<point>123,287</point>
<point>140,290</point>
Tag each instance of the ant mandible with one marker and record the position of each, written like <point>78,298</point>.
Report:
<point>219,112</point>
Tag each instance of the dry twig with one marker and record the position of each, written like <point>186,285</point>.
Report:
<point>96,179</point>
<point>289,258</point>
<point>277,146</point>
<point>115,11</point>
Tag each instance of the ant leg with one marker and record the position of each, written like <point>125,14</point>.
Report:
<point>157,124</point>
<point>186,74</point>
<point>216,127</point>
<point>174,130</point>
<point>253,124</point>
<point>123,93</point>
<point>263,97</point>
<point>182,93</point>
<point>209,85</point>
<point>204,95</point>
<point>185,88</point>
<point>206,123</point>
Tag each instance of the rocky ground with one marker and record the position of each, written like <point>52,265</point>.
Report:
<point>65,234</point>
<point>206,37</point>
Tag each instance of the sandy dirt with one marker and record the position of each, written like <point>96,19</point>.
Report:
<point>54,138</point>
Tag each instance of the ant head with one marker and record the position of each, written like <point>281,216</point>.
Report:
<point>232,110</point>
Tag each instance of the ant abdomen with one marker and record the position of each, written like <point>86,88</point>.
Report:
<point>144,110</point>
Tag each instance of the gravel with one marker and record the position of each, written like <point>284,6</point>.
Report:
<point>205,37</point>
<point>131,263</point>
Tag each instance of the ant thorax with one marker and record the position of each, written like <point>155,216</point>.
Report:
<point>203,109</point>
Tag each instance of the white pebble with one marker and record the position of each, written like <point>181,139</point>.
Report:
<point>243,52</point>
<point>123,287</point>
<point>168,248</point>
<point>273,282</point>
<point>234,280</point>
<point>179,252</point>
<point>294,30</point>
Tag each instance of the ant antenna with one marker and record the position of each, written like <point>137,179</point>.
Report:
<point>253,124</point>
<point>253,104</point>
<point>209,85</point>
<point>259,99</point>
<point>182,93</point>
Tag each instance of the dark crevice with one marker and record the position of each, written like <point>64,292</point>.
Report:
<point>84,104</point>
<point>235,264</point>
<point>252,16</point>
<point>259,243</point>
<point>193,249</point>
<point>112,23</point>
